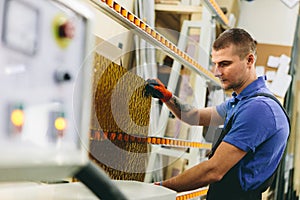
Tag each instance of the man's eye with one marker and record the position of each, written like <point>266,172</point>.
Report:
<point>224,64</point>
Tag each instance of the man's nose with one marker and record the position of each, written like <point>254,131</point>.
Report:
<point>217,72</point>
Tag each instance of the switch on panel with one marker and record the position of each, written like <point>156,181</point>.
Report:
<point>64,30</point>
<point>62,76</point>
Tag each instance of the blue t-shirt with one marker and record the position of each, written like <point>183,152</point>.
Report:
<point>260,128</point>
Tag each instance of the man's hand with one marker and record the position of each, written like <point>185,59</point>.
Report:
<point>157,89</point>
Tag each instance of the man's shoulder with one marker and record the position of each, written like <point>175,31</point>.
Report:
<point>257,107</point>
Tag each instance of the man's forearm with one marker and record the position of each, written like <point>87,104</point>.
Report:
<point>183,111</point>
<point>193,178</point>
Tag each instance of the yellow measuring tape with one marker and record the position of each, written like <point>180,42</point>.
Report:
<point>121,136</point>
<point>120,12</point>
<point>192,194</point>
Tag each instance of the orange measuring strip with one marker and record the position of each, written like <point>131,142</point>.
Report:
<point>133,19</point>
<point>121,136</point>
<point>191,194</point>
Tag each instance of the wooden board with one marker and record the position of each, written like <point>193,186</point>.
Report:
<point>266,50</point>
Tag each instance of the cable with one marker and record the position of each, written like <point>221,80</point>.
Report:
<point>99,183</point>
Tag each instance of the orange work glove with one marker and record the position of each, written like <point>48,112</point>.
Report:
<point>157,89</point>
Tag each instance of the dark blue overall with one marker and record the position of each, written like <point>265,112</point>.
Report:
<point>229,188</point>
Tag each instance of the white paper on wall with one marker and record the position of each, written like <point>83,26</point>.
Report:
<point>283,68</point>
<point>280,84</point>
<point>284,60</point>
<point>273,61</point>
<point>270,75</point>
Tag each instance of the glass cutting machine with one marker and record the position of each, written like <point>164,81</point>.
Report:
<point>45,88</point>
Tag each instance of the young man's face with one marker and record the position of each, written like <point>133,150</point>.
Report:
<point>230,69</point>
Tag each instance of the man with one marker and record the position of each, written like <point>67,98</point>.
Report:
<point>255,131</point>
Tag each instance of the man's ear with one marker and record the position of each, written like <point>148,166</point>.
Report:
<point>251,59</point>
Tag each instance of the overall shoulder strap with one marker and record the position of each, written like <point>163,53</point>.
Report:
<point>222,135</point>
<point>276,100</point>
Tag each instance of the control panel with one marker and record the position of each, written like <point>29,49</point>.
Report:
<point>45,86</point>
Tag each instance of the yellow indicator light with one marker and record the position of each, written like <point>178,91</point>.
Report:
<point>17,117</point>
<point>60,123</point>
